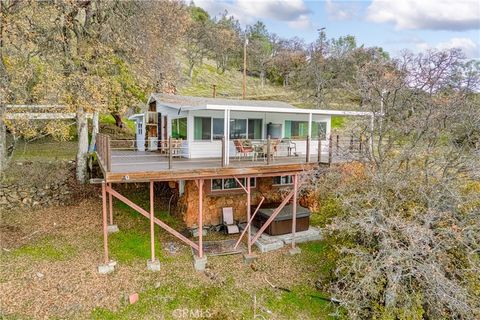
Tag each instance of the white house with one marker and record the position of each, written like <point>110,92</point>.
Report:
<point>201,123</point>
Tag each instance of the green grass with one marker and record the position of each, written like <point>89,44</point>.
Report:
<point>338,122</point>
<point>45,149</point>
<point>299,303</point>
<point>220,302</point>
<point>168,302</point>
<point>49,249</point>
<point>133,242</point>
<point>108,119</point>
<point>131,245</point>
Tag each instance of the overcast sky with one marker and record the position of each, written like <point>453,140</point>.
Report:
<point>392,24</point>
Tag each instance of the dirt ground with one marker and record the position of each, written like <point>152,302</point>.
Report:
<point>49,260</point>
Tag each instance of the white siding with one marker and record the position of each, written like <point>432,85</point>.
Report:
<point>213,149</point>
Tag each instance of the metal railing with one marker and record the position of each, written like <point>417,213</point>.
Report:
<point>212,153</point>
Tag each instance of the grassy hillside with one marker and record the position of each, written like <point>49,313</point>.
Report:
<point>229,85</point>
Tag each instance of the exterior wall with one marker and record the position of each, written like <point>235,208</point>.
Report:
<point>213,202</point>
<point>213,148</point>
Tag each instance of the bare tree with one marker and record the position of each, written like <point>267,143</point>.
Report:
<point>409,234</point>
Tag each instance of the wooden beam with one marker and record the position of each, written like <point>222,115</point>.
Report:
<point>211,173</point>
<point>146,214</point>
<point>42,116</point>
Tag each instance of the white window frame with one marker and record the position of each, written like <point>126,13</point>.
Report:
<point>282,183</point>
<point>211,127</point>
<point>254,185</point>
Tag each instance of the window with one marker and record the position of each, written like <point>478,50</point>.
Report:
<point>218,126</point>
<point>296,129</point>
<point>230,184</point>
<point>139,127</point>
<point>179,128</point>
<point>299,129</point>
<point>202,128</point>
<point>255,128</point>
<point>282,180</point>
<point>319,129</point>
<point>238,129</point>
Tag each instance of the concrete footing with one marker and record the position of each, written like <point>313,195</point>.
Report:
<point>294,251</point>
<point>153,265</point>
<point>199,263</point>
<point>112,228</point>
<point>107,268</point>
<point>270,243</point>
<point>249,258</point>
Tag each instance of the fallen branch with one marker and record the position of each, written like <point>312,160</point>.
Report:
<point>277,287</point>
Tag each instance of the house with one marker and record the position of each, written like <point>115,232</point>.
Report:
<point>201,123</point>
<point>218,153</point>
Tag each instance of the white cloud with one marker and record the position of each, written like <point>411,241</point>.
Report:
<point>455,15</point>
<point>302,22</point>
<point>467,45</point>
<point>294,12</point>
<point>341,10</point>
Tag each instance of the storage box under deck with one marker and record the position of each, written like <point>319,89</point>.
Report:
<point>282,223</point>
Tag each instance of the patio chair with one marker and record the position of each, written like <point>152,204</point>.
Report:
<point>241,150</point>
<point>227,216</point>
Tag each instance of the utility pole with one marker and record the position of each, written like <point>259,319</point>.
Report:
<point>244,92</point>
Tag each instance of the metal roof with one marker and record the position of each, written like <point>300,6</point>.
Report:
<point>176,101</point>
<point>200,103</point>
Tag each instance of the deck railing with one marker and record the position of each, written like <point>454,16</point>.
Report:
<point>104,151</point>
<point>268,151</point>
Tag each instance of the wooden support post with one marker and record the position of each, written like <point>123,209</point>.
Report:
<point>110,205</point>
<point>330,150</point>
<point>223,152</point>
<point>152,221</point>
<point>200,218</point>
<point>308,149</point>
<point>319,159</point>
<point>146,214</point>
<point>360,144</point>
<point>351,142</point>
<point>268,149</point>
<point>105,228</point>
<point>249,244</point>
<point>170,152</point>
<point>294,208</point>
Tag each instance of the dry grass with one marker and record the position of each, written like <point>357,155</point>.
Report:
<point>49,260</point>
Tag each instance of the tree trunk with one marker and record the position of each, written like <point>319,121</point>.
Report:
<point>262,78</point>
<point>94,132</point>
<point>82,152</point>
<point>3,141</point>
<point>190,70</point>
<point>118,119</point>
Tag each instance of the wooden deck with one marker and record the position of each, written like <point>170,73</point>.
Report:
<point>136,166</point>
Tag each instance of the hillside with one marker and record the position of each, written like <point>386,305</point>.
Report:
<point>229,85</point>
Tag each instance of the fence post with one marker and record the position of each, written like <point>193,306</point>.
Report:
<point>223,151</point>
<point>268,149</point>
<point>170,152</point>
<point>308,149</point>
<point>319,149</point>
<point>109,156</point>
<point>330,150</point>
<point>360,144</point>
<point>351,142</point>
<point>338,143</point>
